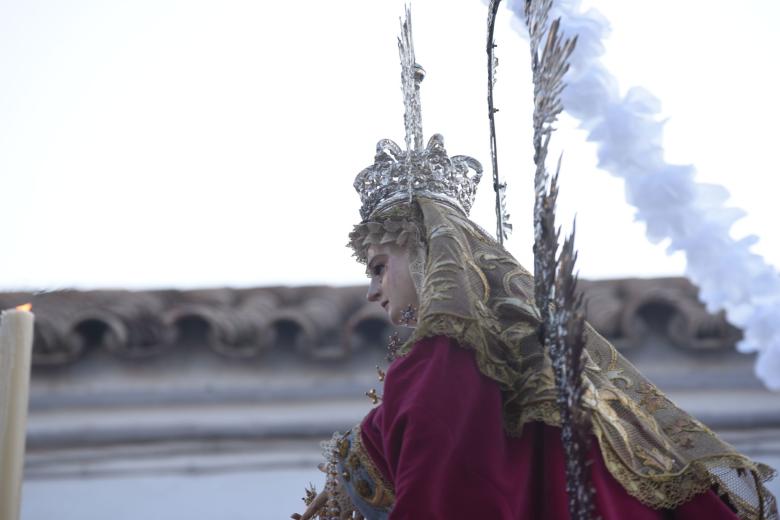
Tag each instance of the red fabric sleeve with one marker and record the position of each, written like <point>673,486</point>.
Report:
<point>437,412</point>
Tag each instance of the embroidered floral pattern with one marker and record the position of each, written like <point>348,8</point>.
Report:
<point>681,431</point>
<point>654,460</point>
<point>652,398</point>
<point>359,472</point>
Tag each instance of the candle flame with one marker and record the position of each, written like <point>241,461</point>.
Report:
<point>27,307</point>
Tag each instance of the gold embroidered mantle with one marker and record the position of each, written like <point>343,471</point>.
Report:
<point>475,292</point>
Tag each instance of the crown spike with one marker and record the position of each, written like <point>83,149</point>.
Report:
<point>411,76</point>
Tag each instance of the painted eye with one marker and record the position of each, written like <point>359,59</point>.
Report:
<point>378,269</point>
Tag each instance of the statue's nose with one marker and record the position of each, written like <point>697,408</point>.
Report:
<point>374,291</point>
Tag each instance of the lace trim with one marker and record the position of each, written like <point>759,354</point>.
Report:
<point>671,490</point>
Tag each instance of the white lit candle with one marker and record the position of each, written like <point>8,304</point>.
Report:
<point>16,338</point>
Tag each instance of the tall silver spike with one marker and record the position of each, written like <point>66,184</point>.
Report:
<point>412,75</point>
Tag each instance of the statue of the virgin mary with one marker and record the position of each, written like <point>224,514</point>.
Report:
<point>468,426</point>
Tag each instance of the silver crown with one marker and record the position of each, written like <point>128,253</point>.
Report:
<point>397,175</point>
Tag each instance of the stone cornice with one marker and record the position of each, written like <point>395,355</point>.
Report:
<point>321,322</point>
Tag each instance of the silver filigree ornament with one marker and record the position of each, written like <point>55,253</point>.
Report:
<point>399,175</point>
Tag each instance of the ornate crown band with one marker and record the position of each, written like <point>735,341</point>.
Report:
<point>396,176</point>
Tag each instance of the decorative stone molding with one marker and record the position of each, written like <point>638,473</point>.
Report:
<point>321,322</point>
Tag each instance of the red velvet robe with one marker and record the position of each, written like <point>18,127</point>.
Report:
<point>438,438</point>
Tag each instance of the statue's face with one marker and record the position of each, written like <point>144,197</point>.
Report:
<point>391,282</point>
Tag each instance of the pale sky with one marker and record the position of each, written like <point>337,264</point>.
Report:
<point>157,143</point>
